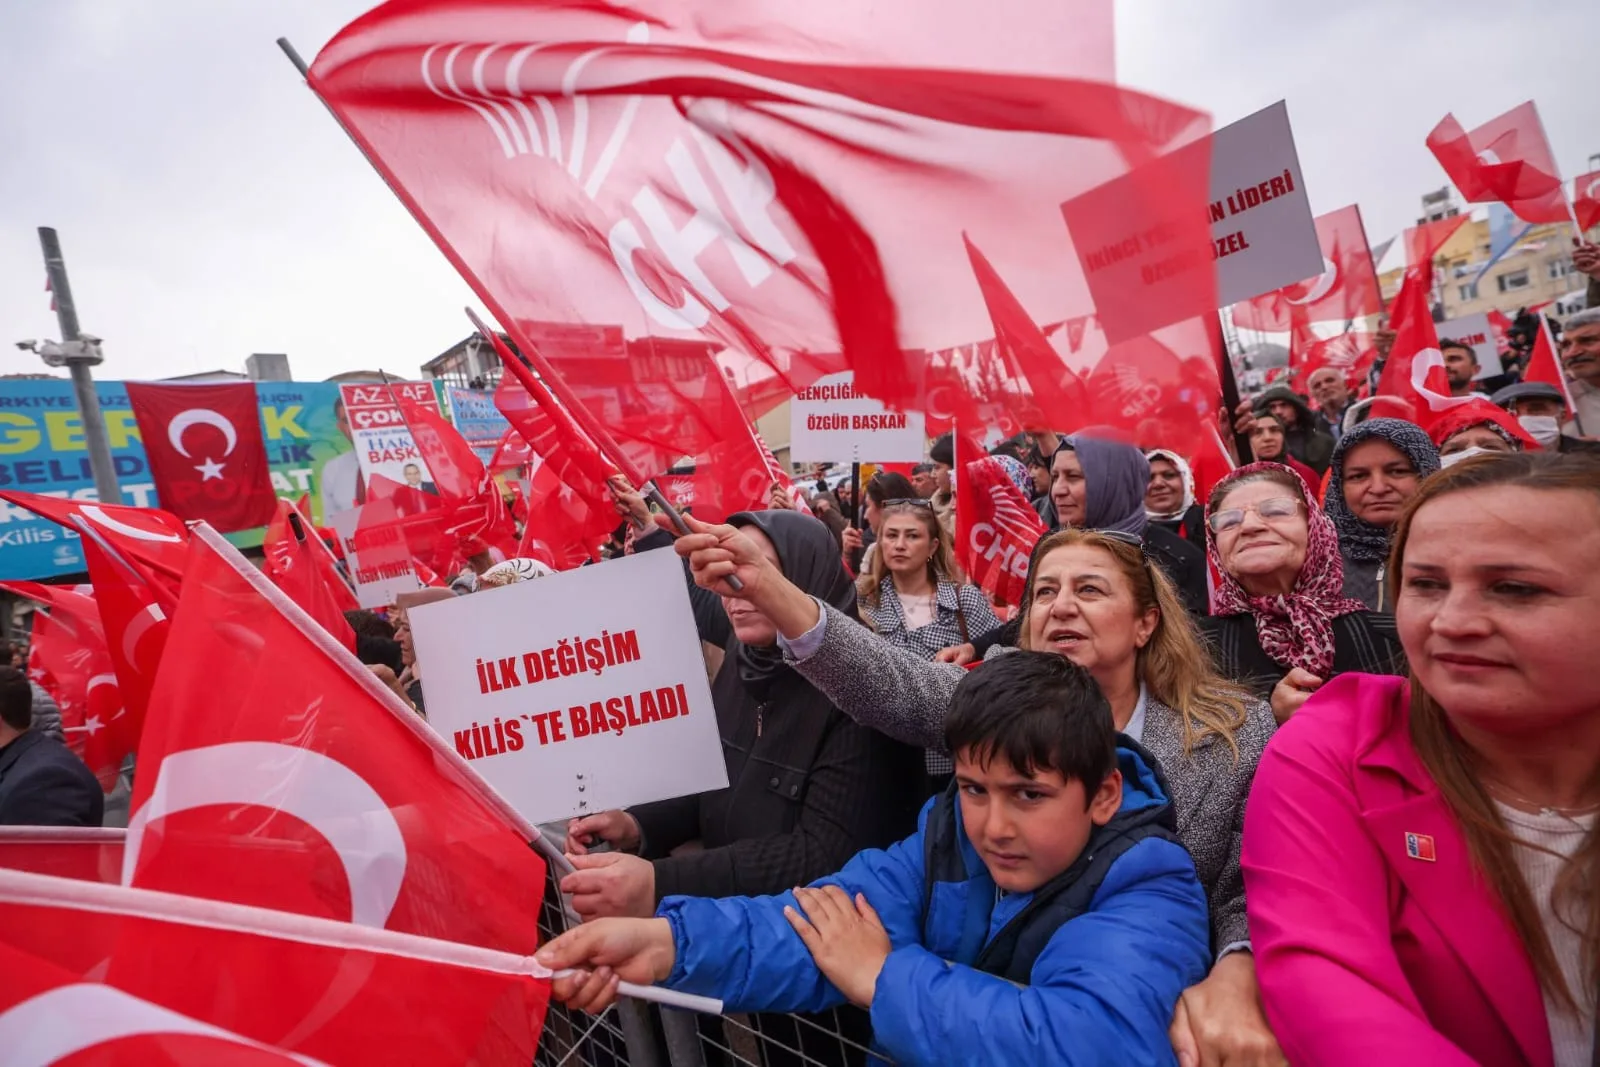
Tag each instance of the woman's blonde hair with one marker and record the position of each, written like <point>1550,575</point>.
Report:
<point>941,565</point>
<point>1174,664</point>
<point>1454,766</point>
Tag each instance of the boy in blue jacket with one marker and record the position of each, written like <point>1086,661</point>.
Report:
<point>1043,913</point>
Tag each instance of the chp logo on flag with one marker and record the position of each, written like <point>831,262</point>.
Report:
<point>1420,847</point>
<point>488,80</point>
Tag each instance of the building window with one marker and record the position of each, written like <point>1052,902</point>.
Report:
<point>1560,268</point>
<point>1513,281</point>
<point>1468,291</point>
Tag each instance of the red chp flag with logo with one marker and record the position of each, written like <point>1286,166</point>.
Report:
<point>996,528</point>
<point>1414,372</point>
<point>105,974</point>
<point>206,453</point>
<point>736,173</point>
<point>1346,289</point>
<point>1507,159</point>
<point>277,771</point>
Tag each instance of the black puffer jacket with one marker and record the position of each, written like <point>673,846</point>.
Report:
<point>1304,440</point>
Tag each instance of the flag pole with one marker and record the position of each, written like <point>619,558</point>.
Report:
<point>86,529</point>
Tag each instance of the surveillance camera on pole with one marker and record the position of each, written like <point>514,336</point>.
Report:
<point>78,352</point>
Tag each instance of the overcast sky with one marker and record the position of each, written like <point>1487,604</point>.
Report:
<point>210,208</point>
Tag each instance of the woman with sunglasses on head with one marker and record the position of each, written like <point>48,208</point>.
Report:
<point>1281,624</point>
<point>860,546</point>
<point>1421,854</point>
<point>910,593</point>
<point>1095,598</point>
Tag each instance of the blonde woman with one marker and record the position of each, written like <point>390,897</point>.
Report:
<point>910,593</point>
<point>1094,598</point>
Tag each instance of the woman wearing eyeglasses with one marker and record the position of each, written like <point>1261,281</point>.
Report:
<point>1095,597</point>
<point>1281,625</point>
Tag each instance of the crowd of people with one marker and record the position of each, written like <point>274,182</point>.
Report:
<point>1297,768</point>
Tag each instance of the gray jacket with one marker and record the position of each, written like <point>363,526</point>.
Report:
<point>46,716</point>
<point>906,697</point>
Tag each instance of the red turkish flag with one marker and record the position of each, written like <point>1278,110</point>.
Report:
<point>135,616</point>
<point>1586,200</point>
<point>1507,159</point>
<point>511,453</point>
<point>1351,354</point>
<point>738,172</point>
<point>1423,242</point>
<point>104,974</point>
<point>996,527</point>
<point>77,670</point>
<point>1346,289</point>
<point>276,770</point>
<point>1414,372</point>
<point>1544,366</point>
<point>206,453</point>
<point>565,526</point>
<point>88,853</point>
<point>153,540</point>
<point>301,569</point>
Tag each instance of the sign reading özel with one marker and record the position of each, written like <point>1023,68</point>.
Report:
<point>576,692</point>
<point>829,422</point>
<point>1263,236</point>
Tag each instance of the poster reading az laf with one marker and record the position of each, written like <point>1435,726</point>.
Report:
<point>369,414</point>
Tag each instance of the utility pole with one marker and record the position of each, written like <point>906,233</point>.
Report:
<point>78,354</point>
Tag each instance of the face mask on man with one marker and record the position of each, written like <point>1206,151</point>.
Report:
<point>1456,457</point>
<point>1542,428</point>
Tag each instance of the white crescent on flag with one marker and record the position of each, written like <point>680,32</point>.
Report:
<point>1322,286</point>
<point>95,515</point>
<point>68,1019</point>
<point>137,627</point>
<point>1421,364</point>
<point>1592,190</point>
<point>200,417</point>
<point>1489,157</point>
<point>314,788</point>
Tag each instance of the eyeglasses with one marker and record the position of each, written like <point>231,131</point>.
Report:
<point>1278,507</point>
<point>909,501</point>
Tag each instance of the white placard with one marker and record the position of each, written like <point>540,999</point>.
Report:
<point>378,580</point>
<point>578,692</point>
<point>1474,330</point>
<point>1140,259</point>
<point>829,422</point>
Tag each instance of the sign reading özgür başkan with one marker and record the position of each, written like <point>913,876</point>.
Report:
<point>829,422</point>
<point>576,692</point>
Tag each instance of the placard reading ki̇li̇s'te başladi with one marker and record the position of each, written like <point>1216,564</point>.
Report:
<point>577,692</point>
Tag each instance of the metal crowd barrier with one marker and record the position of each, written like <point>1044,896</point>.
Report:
<point>634,1034</point>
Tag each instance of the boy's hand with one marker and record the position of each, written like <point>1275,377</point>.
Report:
<point>604,951</point>
<point>847,940</point>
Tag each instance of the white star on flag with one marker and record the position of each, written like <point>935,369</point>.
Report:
<point>209,469</point>
<point>92,725</point>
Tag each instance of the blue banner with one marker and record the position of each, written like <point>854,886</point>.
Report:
<point>42,450</point>
<point>478,420</point>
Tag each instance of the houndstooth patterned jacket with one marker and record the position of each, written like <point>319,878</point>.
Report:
<point>906,697</point>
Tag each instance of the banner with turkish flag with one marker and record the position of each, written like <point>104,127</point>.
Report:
<point>276,770</point>
<point>737,173</point>
<point>206,453</point>
<point>996,527</point>
<point>1346,289</point>
<point>105,974</point>
<point>1507,159</point>
<point>1414,372</point>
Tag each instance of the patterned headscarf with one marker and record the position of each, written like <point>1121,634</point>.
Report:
<point>1295,630</point>
<point>1360,539</point>
<point>1018,474</point>
<point>1115,477</point>
<point>1185,473</point>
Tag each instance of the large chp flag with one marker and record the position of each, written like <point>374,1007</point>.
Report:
<point>790,181</point>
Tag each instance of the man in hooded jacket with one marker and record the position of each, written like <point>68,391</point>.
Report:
<point>1302,438</point>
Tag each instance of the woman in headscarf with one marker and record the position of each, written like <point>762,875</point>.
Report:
<point>1170,502</point>
<point>1281,624</point>
<point>1377,467</point>
<point>1477,428</point>
<point>1093,597</point>
<point>1100,485</point>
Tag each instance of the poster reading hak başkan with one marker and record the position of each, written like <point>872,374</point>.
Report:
<point>577,692</point>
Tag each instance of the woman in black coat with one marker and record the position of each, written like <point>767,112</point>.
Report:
<point>807,787</point>
<point>1282,624</point>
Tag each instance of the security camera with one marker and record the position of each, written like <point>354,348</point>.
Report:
<point>27,346</point>
<point>88,338</point>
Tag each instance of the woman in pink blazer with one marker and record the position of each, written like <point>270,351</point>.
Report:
<point>1414,853</point>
